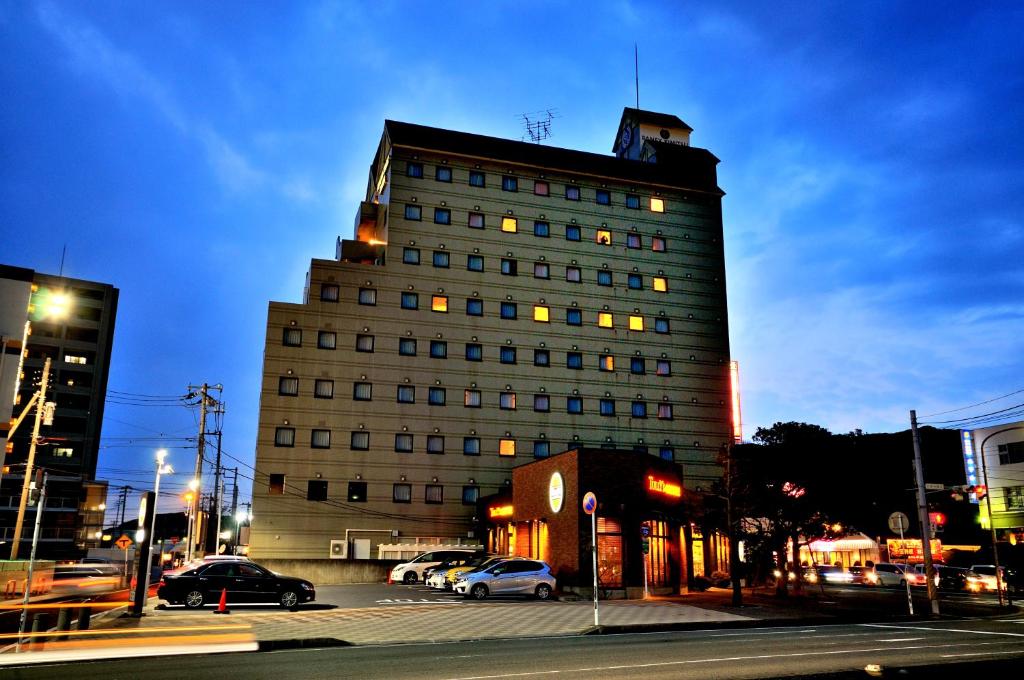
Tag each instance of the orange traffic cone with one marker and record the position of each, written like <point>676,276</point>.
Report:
<point>222,608</point>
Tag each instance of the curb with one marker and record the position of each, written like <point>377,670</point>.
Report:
<point>300,643</point>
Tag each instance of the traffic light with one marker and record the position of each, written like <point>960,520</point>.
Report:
<point>938,521</point>
<point>645,545</point>
<point>980,491</point>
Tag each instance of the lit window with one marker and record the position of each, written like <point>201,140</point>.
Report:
<point>509,267</point>
<point>603,197</point>
<point>657,205</point>
<point>508,355</point>
<point>435,443</point>
<point>573,274</point>
<point>474,352</point>
<point>326,339</point>
<point>636,282</point>
<point>639,409</point>
<point>637,365</point>
<point>442,216</point>
<point>475,263</point>
<point>541,188</point>
<point>410,301</point>
<point>323,389</point>
<point>401,493</point>
<point>411,255</point>
<point>667,453</point>
<point>541,448</point>
<point>540,313</point>
<point>292,337</point>
<point>661,325</point>
<point>472,399</point>
<point>507,401</point>
<point>509,183</point>
<point>660,284</point>
<point>471,446</point>
<point>632,240</point>
<point>606,362</point>
<point>572,233</point>
<point>509,224</point>
<point>441,258</point>
<point>284,436</point>
<point>443,174</point>
<point>288,387</point>
<point>541,270</point>
<point>574,405</point>
<point>607,407</point>
<point>321,439</point>
<point>542,229</point>
<point>507,447</point>
<point>316,490</point>
<point>541,402</point>
<point>470,494</point>
<point>356,492</point>
<point>403,443</point>
<point>329,292</point>
<point>477,179</point>
<point>434,494</point>
<point>360,441</point>
<point>574,360</point>
<point>665,411</point>
<point>633,201</point>
<point>508,310</point>
<point>474,307</point>
<point>572,193</point>
<point>664,367</point>
<point>476,220</point>
<point>541,357</point>
<point>407,347</point>
<point>436,396</point>
<point>364,343</point>
<point>604,277</point>
<point>573,317</point>
<point>604,319</point>
<point>658,244</point>
<point>414,169</point>
<point>439,303</point>
<point>438,349</point>
<point>413,212</point>
<point>406,394</point>
<point>636,323</point>
<point>604,237</point>
<point>275,485</point>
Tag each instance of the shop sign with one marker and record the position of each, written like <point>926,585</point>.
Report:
<point>664,487</point>
<point>556,492</point>
<point>910,548</point>
<point>500,511</point>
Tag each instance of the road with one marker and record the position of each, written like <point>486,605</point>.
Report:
<point>753,653</point>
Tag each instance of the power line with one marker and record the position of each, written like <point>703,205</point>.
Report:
<point>980,403</point>
<point>986,416</point>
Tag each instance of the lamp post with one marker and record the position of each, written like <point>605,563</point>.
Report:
<point>161,469</point>
<point>991,520</point>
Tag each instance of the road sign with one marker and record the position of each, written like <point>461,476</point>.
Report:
<point>124,542</point>
<point>899,522</point>
<point>589,502</point>
<point>935,487</point>
<point>645,531</point>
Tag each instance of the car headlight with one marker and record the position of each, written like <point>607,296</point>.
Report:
<point>307,586</point>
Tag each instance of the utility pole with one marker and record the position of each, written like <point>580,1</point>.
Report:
<point>218,491</point>
<point>31,563</point>
<point>922,516</point>
<point>40,406</point>
<point>734,553</point>
<point>234,495</point>
<point>205,401</point>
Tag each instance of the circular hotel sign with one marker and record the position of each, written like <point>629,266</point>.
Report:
<point>556,492</point>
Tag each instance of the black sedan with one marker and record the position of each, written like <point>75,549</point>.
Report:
<point>244,582</point>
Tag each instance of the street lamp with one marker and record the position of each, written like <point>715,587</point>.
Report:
<point>240,516</point>
<point>161,469</point>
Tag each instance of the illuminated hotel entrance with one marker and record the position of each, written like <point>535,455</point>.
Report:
<point>658,557</point>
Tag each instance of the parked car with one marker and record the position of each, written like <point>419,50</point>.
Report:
<point>412,571</point>
<point>858,573</point>
<point>950,578</point>
<point>510,577</point>
<point>245,581</point>
<point>833,574</point>
<point>982,577</point>
<point>434,576</point>
<point>890,574</point>
<point>478,563</point>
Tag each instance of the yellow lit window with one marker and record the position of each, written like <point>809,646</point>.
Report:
<point>604,237</point>
<point>657,204</point>
<point>509,224</point>
<point>660,284</point>
<point>604,319</point>
<point>607,362</point>
<point>439,303</point>
<point>540,313</point>
<point>636,323</point>
<point>507,447</point>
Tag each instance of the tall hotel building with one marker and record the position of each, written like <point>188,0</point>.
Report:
<point>501,301</point>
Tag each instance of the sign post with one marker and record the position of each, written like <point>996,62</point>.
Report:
<point>138,594</point>
<point>124,543</point>
<point>589,507</point>
<point>645,532</point>
<point>898,521</point>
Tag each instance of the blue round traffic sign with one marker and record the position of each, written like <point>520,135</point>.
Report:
<point>645,531</point>
<point>589,502</point>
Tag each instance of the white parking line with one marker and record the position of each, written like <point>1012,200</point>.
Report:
<point>941,630</point>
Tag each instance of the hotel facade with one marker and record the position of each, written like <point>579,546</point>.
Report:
<point>500,302</point>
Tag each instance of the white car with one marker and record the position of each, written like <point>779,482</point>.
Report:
<point>412,571</point>
<point>982,577</point>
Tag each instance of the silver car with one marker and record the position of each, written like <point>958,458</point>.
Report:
<point>514,577</point>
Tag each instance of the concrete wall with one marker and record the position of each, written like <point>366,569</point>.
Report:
<point>332,572</point>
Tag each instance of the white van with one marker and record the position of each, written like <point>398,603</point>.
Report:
<point>412,571</point>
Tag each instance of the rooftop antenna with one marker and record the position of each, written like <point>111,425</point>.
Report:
<point>63,252</point>
<point>636,74</point>
<point>538,124</point>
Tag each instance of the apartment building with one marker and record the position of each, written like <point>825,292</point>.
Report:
<point>499,302</point>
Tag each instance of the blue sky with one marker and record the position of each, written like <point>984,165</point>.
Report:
<point>197,155</point>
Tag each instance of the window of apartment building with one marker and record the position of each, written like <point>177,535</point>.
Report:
<point>441,258</point>
<point>360,440</point>
<point>607,407</point>
<point>434,494</point>
<point>407,347</point>
<point>443,173</point>
<point>323,389</point>
<point>470,494</point>
<point>414,212</point>
<point>435,443</point>
<point>406,394</point>
<point>633,201</point>
<point>574,317</point>
<point>329,292</point>
<point>288,386</point>
<point>572,274</point>
<point>604,277</point>
<point>658,244</point>
<point>542,403</point>
<point>638,448</point>
<point>606,362</point>
<point>364,343</point>
<point>1011,453</point>
<point>362,391</point>
<point>411,255</point>
<point>474,351</point>
<point>507,401</point>
<point>472,399</point>
<point>509,267</point>
<point>321,439</point>
<point>439,349</point>
<point>541,188</point>
<point>603,197</point>
<point>574,360</point>
<point>508,310</point>
<point>574,405</point>
<point>475,263</point>
<point>326,340</point>
<point>637,365</point>
<point>572,232</point>
<point>541,448</point>
<point>442,216</point>
<point>316,490</point>
<point>542,229</point>
<point>506,447</point>
<point>474,307</point>
<point>401,493</point>
<point>667,453</point>
<point>471,446</point>
<point>661,325</point>
<point>657,204</point>
<point>664,367</point>
<point>410,301</point>
<point>477,178</point>
<point>636,282</point>
<point>508,355</point>
<point>639,409</point>
<point>541,270</point>
<point>572,193</point>
<point>275,484</point>
<point>659,284</point>
<point>436,396</point>
<point>476,220</point>
<point>509,183</point>
<point>603,236</point>
<point>414,170</point>
<point>439,303</point>
<point>403,442</point>
<point>633,241</point>
<point>664,411</point>
<point>541,357</point>
<point>604,319</point>
<point>284,436</point>
<point>636,323</point>
<point>541,313</point>
<point>292,337</point>
<point>357,492</point>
